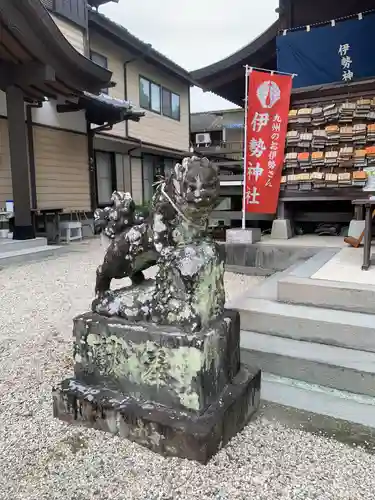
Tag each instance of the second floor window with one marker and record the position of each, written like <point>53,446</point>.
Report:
<point>149,95</point>
<point>171,104</point>
<point>100,60</point>
<point>158,99</point>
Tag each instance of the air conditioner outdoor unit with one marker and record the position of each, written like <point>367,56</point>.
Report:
<point>203,139</point>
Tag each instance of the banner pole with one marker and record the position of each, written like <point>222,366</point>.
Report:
<point>245,150</point>
<point>273,71</point>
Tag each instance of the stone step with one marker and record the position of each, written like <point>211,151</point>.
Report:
<point>335,367</point>
<point>319,400</point>
<point>30,254</point>
<point>264,256</point>
<point>329,294</point>
<point>313,324</point>
<point>312,265</point>
<point>9,245</point>
<point>267,289</point>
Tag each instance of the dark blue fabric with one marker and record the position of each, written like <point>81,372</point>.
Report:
<point>314,55</point>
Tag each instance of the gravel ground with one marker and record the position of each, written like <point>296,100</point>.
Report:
<point>42,458</point>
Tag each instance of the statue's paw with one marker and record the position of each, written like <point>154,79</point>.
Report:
<point>99,300</point>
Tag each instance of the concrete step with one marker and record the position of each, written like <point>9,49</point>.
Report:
<point>314,263</point>
<point>8,245</point>
<point>297,266</point>
<point>329,294</point>
<point>267,289</point>
<point>312,324</point>
<point>319,400</point>
<point>335,367</point>
<point>30,254</point>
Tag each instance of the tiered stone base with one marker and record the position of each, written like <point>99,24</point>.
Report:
<point>167,431</point>
<point>180,394</point>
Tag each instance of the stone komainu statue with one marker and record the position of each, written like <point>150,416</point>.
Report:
<point>158,362</point>
<point>189,282</point>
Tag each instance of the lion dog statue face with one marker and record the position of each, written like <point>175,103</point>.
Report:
<point>196,186</point>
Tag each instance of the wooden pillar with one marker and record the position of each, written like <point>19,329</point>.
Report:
<point>286,14</point>
<point>19,162</point>
<point>281,210</point>
<point>358,212</point>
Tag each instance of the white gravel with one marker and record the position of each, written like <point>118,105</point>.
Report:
<point>42,458</point>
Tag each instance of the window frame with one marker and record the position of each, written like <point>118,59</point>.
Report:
<point>171,93</point>
<point>105,59</point>
<point>113,175</point>
<point>162,89</point>
<point>168,92</point>
<point>150,83</point>
<point>179,106</point>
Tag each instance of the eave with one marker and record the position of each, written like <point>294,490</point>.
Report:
<point>38,56</point>
<point>102,109</point>
<point>337,90</point>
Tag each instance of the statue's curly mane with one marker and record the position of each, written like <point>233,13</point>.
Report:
<point>112,220</point>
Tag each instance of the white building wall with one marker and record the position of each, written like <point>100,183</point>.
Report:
<point>47,115</point>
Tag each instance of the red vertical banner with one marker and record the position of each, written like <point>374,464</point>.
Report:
<point>268,103</point>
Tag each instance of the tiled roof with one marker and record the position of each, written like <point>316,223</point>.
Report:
<point>125,109</point>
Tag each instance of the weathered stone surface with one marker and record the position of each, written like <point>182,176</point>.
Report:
<point>158,362</point>
<point>189,287</point>
<point>162,364</point>
<point>134,303</point>
<point>164,430</point>
<point>188,290</point>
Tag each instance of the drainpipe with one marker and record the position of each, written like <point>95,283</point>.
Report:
<point>30,143</point>
<point>92,165</point>
<point>126,95</point>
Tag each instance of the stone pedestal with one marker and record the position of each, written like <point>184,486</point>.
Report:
<point>248,236</point>
<point>281,229</point>
<point>356,227</point>
<point>180,394</point>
